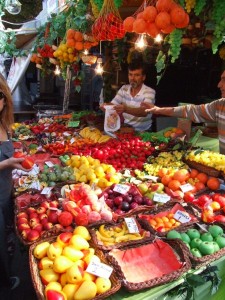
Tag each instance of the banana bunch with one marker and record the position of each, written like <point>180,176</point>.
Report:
<point>15,125</point>
<point>94,134</point>
<point>116,234</point>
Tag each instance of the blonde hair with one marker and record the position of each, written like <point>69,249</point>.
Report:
<point>6,115</point>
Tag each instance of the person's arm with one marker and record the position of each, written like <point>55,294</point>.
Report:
<point>151,108</point>
<point>12,163</point>
<point>134,111</point>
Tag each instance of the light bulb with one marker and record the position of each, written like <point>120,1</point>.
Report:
<point>57,70</point>
<point>13,6</point>
<point>99,68</point>
<point>86,52</point>
<point>141,43</point>
<point>158,38</point>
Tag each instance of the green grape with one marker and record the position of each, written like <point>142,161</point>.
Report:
<point>200,4</point>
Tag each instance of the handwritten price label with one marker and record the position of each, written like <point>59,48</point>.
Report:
<point>66,133</point>
<point>186,187</point>
<point>99,269</point>
<point>163,198</point>
<point>131,225</point>
<point>72,140</point>
<point>153,178</point>
<point>182,216</point>
<point>46,190</point>
<point>49,164</point>
<point>121,188</point>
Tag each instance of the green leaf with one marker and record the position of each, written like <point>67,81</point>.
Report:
<point>195,280</point>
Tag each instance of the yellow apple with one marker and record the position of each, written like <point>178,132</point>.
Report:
<point>74,274</point>
<point>69,290</point>
<point>82,231</point>
<point>79,242</point>
<point>72,253</point>
<point>40,250</point>
<point>48,275</point>
<point>86,291</point>
<point>103,285</point>
<point>54,285</point>
<point>54,250</point>
<point>61,264</point>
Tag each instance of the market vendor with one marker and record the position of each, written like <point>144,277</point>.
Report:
<point>127,101</point>
<point>214,111</point>
<point>7,164</point>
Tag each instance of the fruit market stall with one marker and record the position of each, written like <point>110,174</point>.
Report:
<point>88,201</point>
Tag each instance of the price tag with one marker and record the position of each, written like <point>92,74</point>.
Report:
<point>66,133</point>
<point>99,269</point>
<point>182,216</point>
<point>186,187</point>
<point>49,164</point>
<point>153,178</point>
<point>121,188</point>
<point>46,190</point>
<point>72,140</point>
<point>163,198</point>
<point>73,123</point>
<point>131,225</point>
<point>35,185</point>
<point>34,171</point>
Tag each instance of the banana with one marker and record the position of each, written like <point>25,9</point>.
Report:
<point>103,238</point>
<point>123,238</point>
<point>122,232</point>
<point>108,233</point>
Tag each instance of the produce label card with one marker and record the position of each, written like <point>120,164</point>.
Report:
<point>121,188</point>
<point>163,198</point>
<point>182,216</point>
<point>131,225</point>
<point>186,187</point>
<point>73,123</point>
<point>46,190</point>
<point>99,269</point>
<point>49,164</point>
<point>72,140</point>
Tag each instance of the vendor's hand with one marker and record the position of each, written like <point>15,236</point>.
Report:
<point>147,105</point>
<point>15,163</point>
<point>102,106</point>
<point>120,108</point>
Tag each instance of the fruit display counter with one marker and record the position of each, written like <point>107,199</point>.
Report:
<point>89,201</point>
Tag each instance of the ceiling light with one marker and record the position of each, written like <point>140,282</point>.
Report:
<point>13,6</point>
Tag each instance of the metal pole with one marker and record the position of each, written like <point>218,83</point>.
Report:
<point>67,90</point>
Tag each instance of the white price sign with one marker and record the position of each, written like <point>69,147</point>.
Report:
<point>182,216</point>
<point>186,187</point>
<point>72,140</point>
<point>131,225</point>
<point>163,198</point>
<point>66,133</point>
<point>121,188</point>
<point>46,190</point>
<point>99,269</point>
<point>150,177</point>
<point>35,185</point>
<point>49,164</point>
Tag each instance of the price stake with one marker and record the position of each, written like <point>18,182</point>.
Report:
<point>72,140</point>
<point>182,216</point>
<point>131,225</point>
<point>121,188</point>
<point>35,185</point>
<point>150,177</point>
<point>49,164</point>
<point>186,187</point>
<point>162,198</point>
<point>66,133</point>
<point>99,269</point>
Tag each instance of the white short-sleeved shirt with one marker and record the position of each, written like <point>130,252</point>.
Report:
<point>146,94</point>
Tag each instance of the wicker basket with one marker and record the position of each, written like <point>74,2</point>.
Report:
<point>167,207</point>
<point>202,168</point>
<point>98,244</point>
<point>39,287</point>
<point>179,250</point>
<point>198,262</point>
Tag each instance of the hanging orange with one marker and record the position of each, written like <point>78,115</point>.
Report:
<point>184,23</point>
<point>150,13</point>
<point>78,36</point>
<point>164,5</point>
<point>70,42</point>
<point>79,46</point>
<point>177,15</point>
<point>168,29</point>
<point>70,33</point>
<point>128,24</point>
<point>139,26</point>
<point>139,15</point>
<point>162,20</point>
<point>152,29</point>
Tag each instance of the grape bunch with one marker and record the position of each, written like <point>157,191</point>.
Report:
<point>218,18</point>
<point>189,5</point>
<point>200,4</point>
<point>175,40</point>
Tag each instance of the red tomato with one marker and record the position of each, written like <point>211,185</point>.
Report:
<point>27,163</point>
<point>219,218</point>
<point>189,197</point>
<point>18,154</point>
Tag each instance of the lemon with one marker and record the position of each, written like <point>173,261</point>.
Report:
<point>103,183</point>
<point>115,178</point>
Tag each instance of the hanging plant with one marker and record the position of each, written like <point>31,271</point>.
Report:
<point>99,3</point>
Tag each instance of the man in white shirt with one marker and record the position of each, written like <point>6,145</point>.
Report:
<point>129,98</point>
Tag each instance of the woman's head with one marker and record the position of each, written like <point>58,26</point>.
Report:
<point>6,104</point>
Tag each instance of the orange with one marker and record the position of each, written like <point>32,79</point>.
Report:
<point>181,175</point>
<point>193,173</point>
<point>162,172</point>
<point>213,183</point>
<point>162,20</point>
<point>149,13</point>
<point>202,177</point>
<point>139,15</point>
<point>199,186</point>
<point>139,26</point>
<point>128,24</point>
<point>70,33</point>
<point>166,179</point>
<point>164,5</point>
<point>78,36</point>
<point>174,185</point>
<point>79,46</point>
<point>153,30</point>
<point>70,42</point>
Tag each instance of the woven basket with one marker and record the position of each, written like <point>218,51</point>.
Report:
<point>39,287</point>
<point>198,262</point>
<point>202,168</point>
<point>167,207</point>
<point>179,250</point>
<point>98,244</point>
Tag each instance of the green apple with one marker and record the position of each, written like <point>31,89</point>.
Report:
<point>150,195</point>
<point>157,187</point>
<point>206,237</point>
<point>193,233</point>
<point>206,248</point>
<point>195,252</point>
<point>173,234</point>
<point>185,237</point>
<point>195,243</point>
<point>220,240</point>
<point>143,188</point>
<point>216,247</point>
<point>215,230</point>
<point>188,245</point>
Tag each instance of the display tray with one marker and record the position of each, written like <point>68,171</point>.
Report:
<point>149,265</point>
<point>39,286</point>
<point>202,168</point>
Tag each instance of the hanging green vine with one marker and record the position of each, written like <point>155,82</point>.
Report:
<point>199,6</point>
<point>175,41</point>
<point>218,16</point>
<point>99,3</point>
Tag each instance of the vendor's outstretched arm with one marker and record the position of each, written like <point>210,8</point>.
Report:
<point>166,111</point>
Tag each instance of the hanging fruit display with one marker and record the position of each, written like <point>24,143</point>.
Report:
<point>79,41</point>
<point>109,25</point>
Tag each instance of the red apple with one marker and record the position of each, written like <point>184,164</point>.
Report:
<point>65,218</point>
<point>31,210</point>
<point>41,210</point>
<point>54,204</point>
<point>47,226</point>
<point>42,216</point>
<point>22,220</point>
<point>53,216</point>
<point>23,226</point>
<point>33,215</point>
<point>45,204</point>
<point>38,227</point>
<point>189,197</point>
<point>22,214</point>
<point>64,238</point>
<point>25,232</point>
<point>44,221</point>
<point>33,235</point>
<point>118,200</point>
<point>219,218</point>
<point>34,221</point>
<point>220,199</point>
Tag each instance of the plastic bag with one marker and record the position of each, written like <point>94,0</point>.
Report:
<point>112,119</point>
